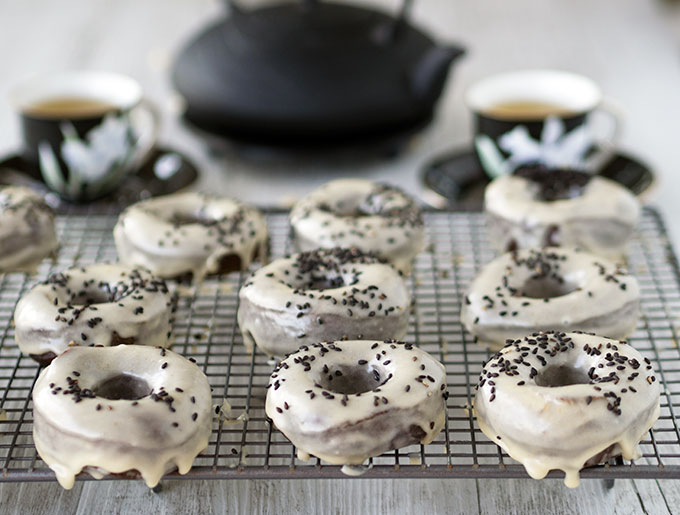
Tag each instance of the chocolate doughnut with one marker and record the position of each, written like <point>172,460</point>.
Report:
<point>192,233</point>
<point>551,289</point>
<point>120,409</point>
<point>566,401</point>
<point>327,294</point>
<point>27,233</point>
<point>98,304</point>
<point>360,213</point>
<point>345,402</point>
<point>537,207</point>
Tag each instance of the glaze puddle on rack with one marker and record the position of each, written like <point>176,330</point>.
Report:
<point>244,445</point>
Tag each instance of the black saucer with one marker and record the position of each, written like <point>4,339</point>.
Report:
<point>164,171</point>
<point>458,178</point>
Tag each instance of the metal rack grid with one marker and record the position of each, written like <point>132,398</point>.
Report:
<point>246,446</point>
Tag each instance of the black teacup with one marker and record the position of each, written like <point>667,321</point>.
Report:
<point>84,131</point>
<point>528,99</point>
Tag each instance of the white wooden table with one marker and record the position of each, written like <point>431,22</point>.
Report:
<point>631,47</point>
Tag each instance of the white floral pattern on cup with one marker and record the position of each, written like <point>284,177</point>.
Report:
<point>556,149</point>
<point>96,164</point>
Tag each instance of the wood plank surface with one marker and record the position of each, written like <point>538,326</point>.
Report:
<point>349,496</point>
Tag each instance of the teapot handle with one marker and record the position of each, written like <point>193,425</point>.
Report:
<point>429,74</point>
<point>389,31</point>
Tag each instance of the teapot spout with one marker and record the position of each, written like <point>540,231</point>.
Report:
<point>429,75</point>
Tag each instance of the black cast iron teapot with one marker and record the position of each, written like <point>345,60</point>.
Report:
<point>311,73</point>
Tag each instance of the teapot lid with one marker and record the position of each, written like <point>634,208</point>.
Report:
<point>310,72</point>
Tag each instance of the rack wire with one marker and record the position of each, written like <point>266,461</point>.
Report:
<point>245,445</point>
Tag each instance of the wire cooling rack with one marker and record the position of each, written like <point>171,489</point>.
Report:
<point>245,445</point>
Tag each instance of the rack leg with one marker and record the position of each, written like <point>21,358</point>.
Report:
<point>608,483</point>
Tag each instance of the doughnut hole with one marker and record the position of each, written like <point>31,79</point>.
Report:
<point>561,375</point>
<point>101,293</point>
<point>179,219</point>
<point>325,282</point>
<point>348,208</point>
<point>117,339</point>
<point>230,263</point>
<point>352,379</point>
<point>356,207</point>
<point>122,386</point>
<point>546,287</point>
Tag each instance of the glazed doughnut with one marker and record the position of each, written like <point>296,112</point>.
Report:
<point>360,213</point>
<point>120,409</point>
<point>538,207</point>
<point>551,289</point>
<point>345,402</point>
<point>27,233</point>
<point>327,294</point>
<point>98,304</point>
<point>191,233</point>
<point>567,401</point>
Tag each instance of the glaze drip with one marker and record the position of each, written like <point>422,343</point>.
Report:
<point>553,289</point>
<point>27,232</point>
<point>359,213</point>
<point>191,233</point>
<point>556,400</point>
<point>98,304</point>
<point>325,294</point>
<point>118,410</point>
<point>347,401</point>
<point>536,208</point>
